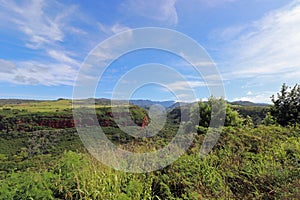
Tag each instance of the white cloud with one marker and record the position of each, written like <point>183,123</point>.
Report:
<point>34,73</point>
<point>270,46</point>
<point>261,98</point>
<point>200,61</point>
<point>202,99</point>
<point>229,33</point>
<point>119,28</point>
<point>159,10</point>
<point>185,85</point>
<point>42,25</point>
<point>116,28</point>
<point>62,57</point>
<point>32,20</point>
<point>256,97</point>
<point>7,67</point>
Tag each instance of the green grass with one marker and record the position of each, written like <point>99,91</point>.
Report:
<point>47,106</point>
<point>43,106</point>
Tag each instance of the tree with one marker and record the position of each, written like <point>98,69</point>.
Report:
<point>232,117</point>
<point>286,106</point>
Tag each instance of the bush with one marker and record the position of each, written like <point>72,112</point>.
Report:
<point>27,185</point>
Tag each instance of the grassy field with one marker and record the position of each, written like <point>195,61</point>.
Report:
<point>48,106</point>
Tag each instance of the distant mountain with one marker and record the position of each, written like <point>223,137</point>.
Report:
<point>148,103</point>
<point>142,103</point>
<point>176,105</point>
<point>239,103</point>
<point>103,101</point>
<point>248,103</point>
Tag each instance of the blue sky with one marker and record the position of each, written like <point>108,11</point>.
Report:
<point>254,43</point>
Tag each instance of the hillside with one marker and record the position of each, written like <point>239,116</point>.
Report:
<point>35,115</point>
<point>42,156</point>
<point>248,103</point>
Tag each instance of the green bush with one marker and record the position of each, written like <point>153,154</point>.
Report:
<point>27,185</point>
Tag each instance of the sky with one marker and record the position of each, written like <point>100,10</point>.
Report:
<point>255,45</point>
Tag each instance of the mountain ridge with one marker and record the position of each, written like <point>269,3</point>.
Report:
<point>144,103</point>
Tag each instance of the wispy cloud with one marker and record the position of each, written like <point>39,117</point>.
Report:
<point>159,10</point>
<point>229,33</point>
<point>185,85</point>
<point>214,3</point>
<point>114,29</point>
<point>7,67</point>
<point>63,57</point>
<point>41,25</point>
<point>270,46</point>
<point>262,97</point>
<point>34,73</point>
<point>32,20</point>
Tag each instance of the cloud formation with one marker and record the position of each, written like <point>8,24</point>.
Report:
<point>183,85</point>
<point>159,10</point>
<point>41,25</point>
<point>7,67</point>
<point>34,22</point>
<point>34,73</point>
<point>267,47</point>
<point>261,97</point>
<point>114,29</point>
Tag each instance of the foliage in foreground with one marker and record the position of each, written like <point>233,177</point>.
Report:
<point>247,163</point>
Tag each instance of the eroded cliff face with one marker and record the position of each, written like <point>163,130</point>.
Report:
<point>23,120</point>
<point>145,121</point>
<point>57,123</point>
<point>61,122</point>
<point>25,124</point>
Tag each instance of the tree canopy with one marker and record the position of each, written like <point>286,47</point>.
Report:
<point>286,106</point>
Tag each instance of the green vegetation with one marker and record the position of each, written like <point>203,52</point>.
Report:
<point>257,155</point>
<point>286,108</point>
<point>246,164</point>
<point>256,113</point>
<point>40,106</point>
